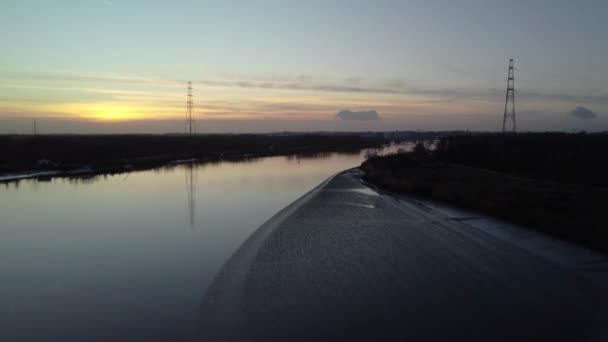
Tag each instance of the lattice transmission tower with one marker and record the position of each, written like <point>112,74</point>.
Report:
<point>189,116</point>
<point>509,115</point>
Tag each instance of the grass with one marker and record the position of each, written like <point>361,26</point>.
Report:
<point>554,183</point>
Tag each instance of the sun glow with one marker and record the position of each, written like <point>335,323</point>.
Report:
<point>109,111</point>
<point>113,113</point>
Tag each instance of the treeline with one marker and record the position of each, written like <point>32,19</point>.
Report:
<point>560,157</point>
<point>18,152</point>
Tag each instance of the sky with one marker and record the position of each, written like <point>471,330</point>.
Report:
<point>122,66</point>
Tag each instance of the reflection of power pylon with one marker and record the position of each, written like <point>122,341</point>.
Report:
<point>191,189</point>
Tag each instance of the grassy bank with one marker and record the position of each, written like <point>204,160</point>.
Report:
<point>560,157</point>
<point>20,153</point>
<point>554,183</point>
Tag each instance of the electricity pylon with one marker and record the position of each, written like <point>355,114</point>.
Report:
<point>510,101</point>
<point>189,118</point>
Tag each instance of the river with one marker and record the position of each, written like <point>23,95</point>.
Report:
<point>128,257</point>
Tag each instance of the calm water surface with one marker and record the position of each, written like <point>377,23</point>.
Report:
<point>128,257</point>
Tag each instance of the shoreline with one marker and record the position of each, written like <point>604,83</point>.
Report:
<point>151,163</point>
<point>45,157</point>
<point>390,261</point>
<point>569,212</point>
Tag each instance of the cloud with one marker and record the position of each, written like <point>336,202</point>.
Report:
<point>583,113</point>
<point>353,85</point>
<point>360,116</point>
<point>108,3</point>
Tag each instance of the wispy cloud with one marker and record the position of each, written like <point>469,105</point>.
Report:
<point>371,115</point>
<point>300,83</point>
<point>597,99</point>
<point>108,3</point>
<point>86,77</point>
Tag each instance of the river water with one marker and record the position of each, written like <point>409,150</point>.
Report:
<point>128,257</point>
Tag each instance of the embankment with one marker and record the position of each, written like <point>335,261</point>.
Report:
<point>115,153</point>
<point>548,193</point>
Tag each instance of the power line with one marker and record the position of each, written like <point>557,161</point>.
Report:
<point>189,117</point>
<point>510,101</point>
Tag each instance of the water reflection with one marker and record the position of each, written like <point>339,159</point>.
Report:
<point>100,258</point>
<point>191,190</point>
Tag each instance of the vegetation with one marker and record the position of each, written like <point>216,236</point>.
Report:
<point>560,157</point>
<point>103,152</point>
<point>554,183</point>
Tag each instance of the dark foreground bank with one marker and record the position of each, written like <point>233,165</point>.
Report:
<point>344,263</point>
<point>107,153</point>
<point>555,183</point>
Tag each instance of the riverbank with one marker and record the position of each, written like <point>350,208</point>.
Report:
<point>23,156</point>
<point>344,254</point>
<point>548,194</point>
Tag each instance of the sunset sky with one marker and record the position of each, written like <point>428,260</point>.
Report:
<point>121,66</point>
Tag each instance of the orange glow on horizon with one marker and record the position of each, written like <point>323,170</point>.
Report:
<point>300,106</point>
